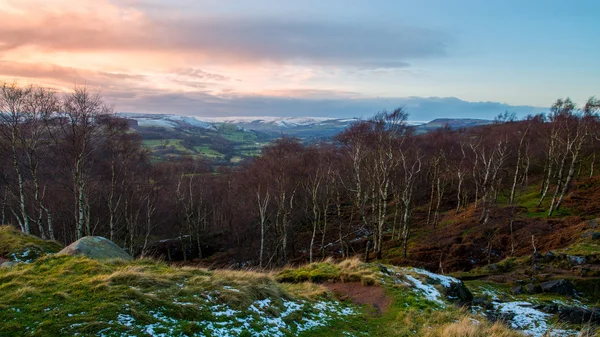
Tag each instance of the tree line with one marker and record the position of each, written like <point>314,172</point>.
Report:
<point>71,168</point>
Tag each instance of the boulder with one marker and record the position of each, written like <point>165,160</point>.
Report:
<point>97,248</point>
<point>550,256</point>
<point>577,315</point>
<point>596,236</point>
<point>561,287</point>
<point>458,293</point>
<point>531,288</point>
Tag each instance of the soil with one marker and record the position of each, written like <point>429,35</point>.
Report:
<point>359,294</point>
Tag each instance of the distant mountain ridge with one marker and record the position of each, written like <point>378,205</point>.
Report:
<point>302,127</point>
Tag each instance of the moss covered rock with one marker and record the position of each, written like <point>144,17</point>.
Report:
<point>97,248</point>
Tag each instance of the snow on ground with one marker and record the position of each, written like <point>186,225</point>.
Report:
<point>27,255</point>
<point>264,318</point>
<point>158,123</point>
<point>281,121</point>
<point>522,316</point>
<point>427,290</point>
<point>446,281</point>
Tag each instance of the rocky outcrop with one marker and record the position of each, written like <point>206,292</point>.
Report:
<point>458,293</point>
<point>577,315</point>
<point>561,287</point>
<point>97,248</point>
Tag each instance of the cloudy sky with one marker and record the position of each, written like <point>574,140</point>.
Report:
<point>310,57</point>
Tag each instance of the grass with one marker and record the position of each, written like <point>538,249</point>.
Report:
<point>207,152</point>
<point>17,246</point>
<point>66,295</point>
<point>350,270</point>
<point>62,295</point>
<point>153,143</point>
<point>408,315</point>
<point>530,199</point>
<point>231,133</point>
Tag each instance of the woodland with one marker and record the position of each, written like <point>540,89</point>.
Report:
<point>71,168</point>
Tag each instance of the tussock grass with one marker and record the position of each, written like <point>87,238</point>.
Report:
<point>468,327</point>
<point>56,292</point>
<point>350,270</point>
<point>62,295</point>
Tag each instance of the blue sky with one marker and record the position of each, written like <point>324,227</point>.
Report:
<point>206,57</point>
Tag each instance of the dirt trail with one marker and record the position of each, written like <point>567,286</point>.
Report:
<point>357,293</point>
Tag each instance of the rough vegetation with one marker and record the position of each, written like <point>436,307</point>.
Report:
<point>19,247</point>
<point>74,295</point>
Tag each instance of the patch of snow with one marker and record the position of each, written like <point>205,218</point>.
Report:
<point>522,316</point>
<point>230,288</point>
<point>429,291</point>
<point>446,281</point>
<point>126,320</point>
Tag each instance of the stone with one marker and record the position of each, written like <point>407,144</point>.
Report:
<point>97,248</point>
<point>596,236</point>
<point>576,315</point>
<point>482,302</point>
<point>385,270</point>
<point>517,290</point>
<point>550,256</point>
<point>458,293</point>
<point>561,287</point>
<point>7,264</point>
<point>550,308</point>
<point>532,289</point>
<point>576,260</point>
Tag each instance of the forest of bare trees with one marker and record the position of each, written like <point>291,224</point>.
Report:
<point>70,168</point>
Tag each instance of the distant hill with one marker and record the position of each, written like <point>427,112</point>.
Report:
<point>453,123</point>
<point>229,140</point>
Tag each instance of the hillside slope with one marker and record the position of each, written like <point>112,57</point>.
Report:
<point>67,295</point>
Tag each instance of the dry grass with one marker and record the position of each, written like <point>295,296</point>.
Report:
<point>349,270</point>
<point>468,327</point>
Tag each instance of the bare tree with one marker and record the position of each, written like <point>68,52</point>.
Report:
<point>75,129</point>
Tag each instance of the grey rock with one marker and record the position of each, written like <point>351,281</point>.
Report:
<point>576,315</point>
<point>97,248</point>
<point>517,290</point>
<point>561,287</point>
<point>458,293</point>
<point>532,289</point>
<point>550,256</point>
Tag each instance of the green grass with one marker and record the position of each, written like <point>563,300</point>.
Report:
<point>207,152</point>
<point>231,133</point>
<point>153,143</point>
<point>408,314</point>
<point>530,199</point>
<point>351,270</point>
<point>66,295</point>
<point>62,295</point>
<point>17,246</point>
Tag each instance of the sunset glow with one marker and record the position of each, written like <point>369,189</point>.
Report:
<point>158,56</point>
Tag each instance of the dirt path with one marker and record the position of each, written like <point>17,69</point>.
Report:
<point>357,293</point>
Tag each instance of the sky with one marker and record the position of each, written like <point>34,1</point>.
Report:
<point>339,58</point>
